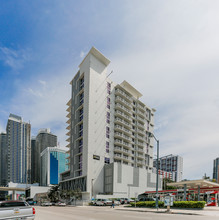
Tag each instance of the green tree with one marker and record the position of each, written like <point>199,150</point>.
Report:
<point>165,186</point>
<point>54,193</point>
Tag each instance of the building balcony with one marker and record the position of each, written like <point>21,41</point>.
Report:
<point>125,158</point>
<point>122,129</point>
<point>118,156</point>
<point>141,138</point>
<point>69,121</point>
<point>68,139</point>
<point>122,122</point>
<point>141,114</point>
<point>68,109</point>
<point>68,145</point>
<point>140,119</point>
<point>68,115</point>
<point>126,152</point>
<point>120,135</point>
<point>141,156</point>
<point>141,144</point>
<point>69,127</point>
<point>122,101</point>
<point>141,126</point>
<point>138,149</point>
<point>69,103</point>
<point>118,149</point>
<point>140,162</point>
<point>122,143</point>
<point>68,134</point>
<point>141,132</point>
<point>123,108</point>
<point>123,94</point>
<point>121,114</point>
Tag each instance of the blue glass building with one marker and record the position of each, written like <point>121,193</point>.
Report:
<point>53,162</point>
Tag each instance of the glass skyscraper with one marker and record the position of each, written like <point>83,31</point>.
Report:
<point>53,162</point>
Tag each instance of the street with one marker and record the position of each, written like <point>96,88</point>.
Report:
<point>105,213</point>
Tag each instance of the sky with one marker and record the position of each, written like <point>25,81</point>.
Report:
<point>168,50</point>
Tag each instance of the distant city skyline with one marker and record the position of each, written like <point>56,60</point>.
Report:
<point>166,49</point>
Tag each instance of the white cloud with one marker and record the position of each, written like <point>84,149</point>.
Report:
<point>42,82</point>
<point>168,50</point>
<point>15,59</point>
<point>82,54</point>
<point>172,60</point>
<point>45,106</point>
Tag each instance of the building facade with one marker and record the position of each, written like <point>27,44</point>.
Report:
<point>34,154</point>
<point>216,170</point>
<point>110,151</point>
<point>44,139</point>
<point>53,163</point>
<point>3,160</point>
<point>19,150</point>
<point>172,164</point>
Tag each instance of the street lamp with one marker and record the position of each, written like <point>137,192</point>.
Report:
<point>152,135</point>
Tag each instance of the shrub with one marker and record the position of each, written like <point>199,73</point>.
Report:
<point>177,204</point>
<point>189,204</point>
<point>149,204</point>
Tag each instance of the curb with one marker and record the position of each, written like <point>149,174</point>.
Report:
<point>159,212</point>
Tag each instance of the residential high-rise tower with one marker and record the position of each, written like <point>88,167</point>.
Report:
<point>3,160</point>
<point>172,164</point>
<point>110,151</point>
<point>19,150</point>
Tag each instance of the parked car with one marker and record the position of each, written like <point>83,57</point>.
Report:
<point>16,210</point>
<point>93,201</point>
<point>130,200</point>
<point>146,199</point>
<point>46,203</point>
<point>123,200</point>
<point>103,202</point>
<point>117,202</point>
<point>60,204</point>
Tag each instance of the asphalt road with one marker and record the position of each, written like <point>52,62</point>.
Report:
<point>105,213</point>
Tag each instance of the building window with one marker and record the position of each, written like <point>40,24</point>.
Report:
<point>81,98</point>
<point>81,111</point>
<point>107,132</point>
<point>108,87</point>
<point>107,160</point>
<point>81,118</point>
<point>108,102</point>
<point>80,127</point>
<point>80,143</point>
<point>81,83</point>
<point>80,133</point>
<point>108,117</point>
<point>107,146</point>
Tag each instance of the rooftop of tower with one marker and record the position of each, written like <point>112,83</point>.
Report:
<point>98,55</point>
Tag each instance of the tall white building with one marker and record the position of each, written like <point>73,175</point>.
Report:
<point>110,151</point>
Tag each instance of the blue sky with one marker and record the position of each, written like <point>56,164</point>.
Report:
<point>168,50</point>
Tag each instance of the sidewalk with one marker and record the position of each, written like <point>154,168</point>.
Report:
<point>207,211</point>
